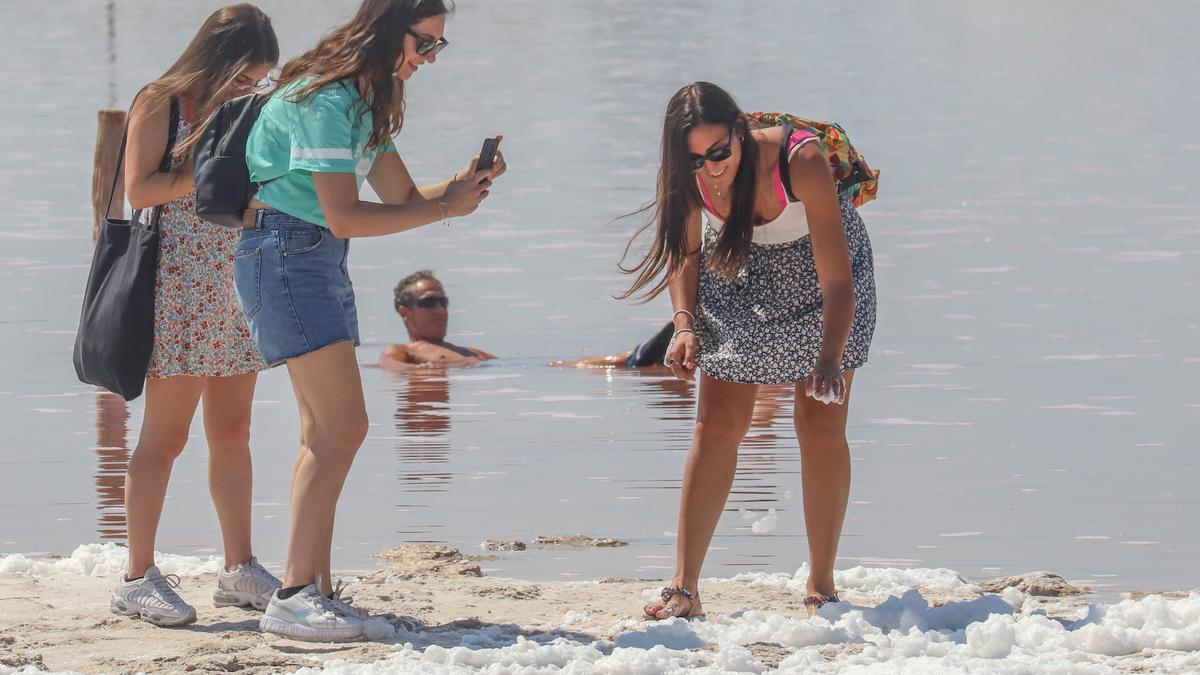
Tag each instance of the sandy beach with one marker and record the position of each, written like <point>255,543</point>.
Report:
<point>436,616</point>
<point>1031,401</point>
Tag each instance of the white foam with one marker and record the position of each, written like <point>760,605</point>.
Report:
<point>893,628</point>
<point>766,523</point>
<point>104,560</point>
<point>828,397</point>
<point>985,634</point>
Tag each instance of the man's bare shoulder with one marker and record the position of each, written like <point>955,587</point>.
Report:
<point>395,355</point>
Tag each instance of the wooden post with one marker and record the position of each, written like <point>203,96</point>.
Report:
<point>108,145</point>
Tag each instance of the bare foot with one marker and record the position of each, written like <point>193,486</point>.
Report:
<point>678,605</point>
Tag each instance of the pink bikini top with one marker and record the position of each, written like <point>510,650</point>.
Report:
<point>792,222</point>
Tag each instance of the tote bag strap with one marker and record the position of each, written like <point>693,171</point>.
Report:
<point>164,165</point>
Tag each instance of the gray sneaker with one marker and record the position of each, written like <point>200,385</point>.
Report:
<point>308,615</point>
<point>250,585</point>
<point>152,598</point>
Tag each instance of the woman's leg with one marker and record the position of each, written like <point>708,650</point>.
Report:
<point>170,405</point>
<point>330,396</point>
<point>722,419</point>
<point>326,563</point>
<point>825,476</point>
<point>308,427</point>
<point>227,405</point>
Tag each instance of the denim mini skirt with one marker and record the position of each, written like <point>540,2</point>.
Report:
<point>293,286</point>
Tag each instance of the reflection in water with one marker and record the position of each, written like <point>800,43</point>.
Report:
<point>110,14</point>
<point>670,398</point>
<point>768,451</point>
<point>423,425</point>
<point>112,459</point>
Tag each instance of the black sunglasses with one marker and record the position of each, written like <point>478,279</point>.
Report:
<point>427,45</point>
<point>431,301</point>
<point>716,154</point>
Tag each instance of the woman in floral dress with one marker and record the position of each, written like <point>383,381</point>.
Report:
<point>202,348</point>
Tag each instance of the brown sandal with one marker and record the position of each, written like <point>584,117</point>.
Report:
<point>667,593</point>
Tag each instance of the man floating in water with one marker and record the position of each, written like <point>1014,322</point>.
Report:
<point>422,302</point>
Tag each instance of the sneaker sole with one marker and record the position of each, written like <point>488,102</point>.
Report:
<point>297,631</point>
<point>123,608</point>
<point>238,599</point>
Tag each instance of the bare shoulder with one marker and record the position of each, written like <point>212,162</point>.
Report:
<point>769,141</point>
<point>150,110</point>
<point>809,170</point>
<point>394,355</point>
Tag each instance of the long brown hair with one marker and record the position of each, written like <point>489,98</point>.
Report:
<point>678,197</point>
<point>231,40</point>
<point>365,50</point>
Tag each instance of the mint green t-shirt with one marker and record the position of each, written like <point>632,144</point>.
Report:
<point>290,140</point>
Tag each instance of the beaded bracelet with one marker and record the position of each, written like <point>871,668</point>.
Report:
<point>445,213</point>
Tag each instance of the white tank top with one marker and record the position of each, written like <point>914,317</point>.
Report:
<point>792,222</point>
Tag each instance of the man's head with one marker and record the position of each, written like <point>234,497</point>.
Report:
<point>422,303</point>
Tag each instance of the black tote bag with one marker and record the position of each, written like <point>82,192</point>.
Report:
<point>116,326</point>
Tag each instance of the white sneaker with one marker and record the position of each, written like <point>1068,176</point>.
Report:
<point>152,598</point>
<point>250,585</point>
<point>344,605</point>
<point>308,615</point>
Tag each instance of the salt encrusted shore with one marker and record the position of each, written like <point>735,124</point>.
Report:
<point>54,617</point>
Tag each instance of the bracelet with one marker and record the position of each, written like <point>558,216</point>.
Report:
<point>445,213</point>
<point>684,311</point>
<point>682,331</point>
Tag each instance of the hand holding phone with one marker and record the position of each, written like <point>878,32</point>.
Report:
<point>487,156</point>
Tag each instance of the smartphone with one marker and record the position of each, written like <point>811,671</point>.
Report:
<point>487,156</point>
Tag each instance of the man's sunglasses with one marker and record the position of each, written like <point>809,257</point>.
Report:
<point>431,301</point>
<point>427,45</point>
<point>716,154</point>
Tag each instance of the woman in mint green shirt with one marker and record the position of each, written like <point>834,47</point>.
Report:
<point>326,129</point>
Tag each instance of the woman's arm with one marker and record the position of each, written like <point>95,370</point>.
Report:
<point>395,185</point>
<point>145,185</point>
<point>813,185</point>
<point>390,179</point>
<point>683,288</point>
<point>348,216</point>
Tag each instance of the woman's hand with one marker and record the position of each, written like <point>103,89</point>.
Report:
<point>681,355</point>
<point>825,382</point>
<point>462,197</point>
<point>499,166</point>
